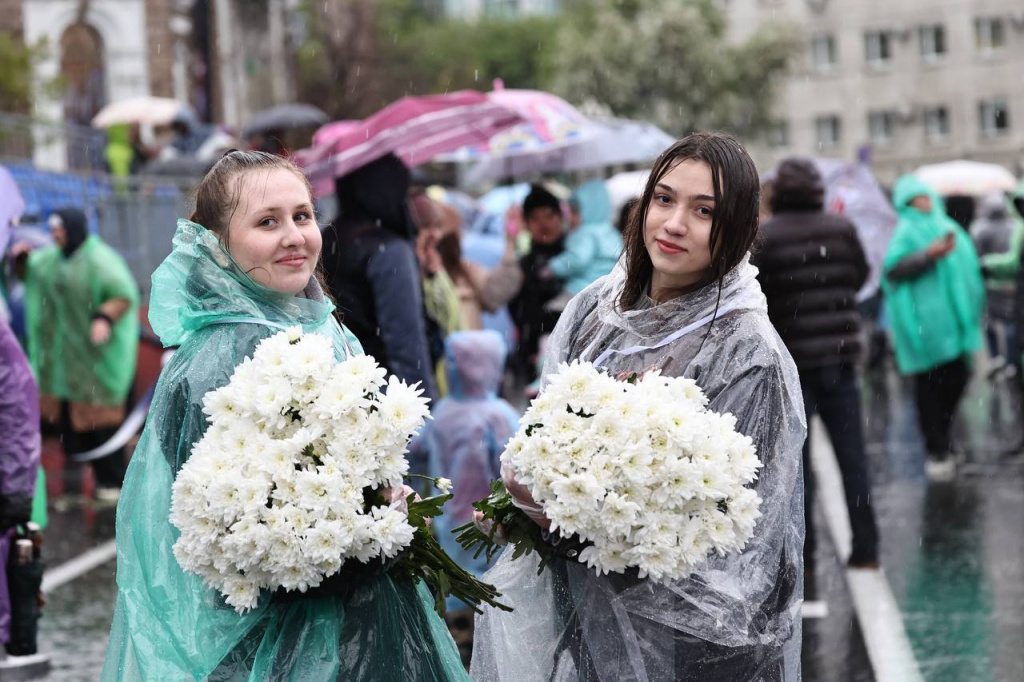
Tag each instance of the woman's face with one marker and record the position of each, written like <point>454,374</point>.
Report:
<point>273,233</point>
<point>677,231</point>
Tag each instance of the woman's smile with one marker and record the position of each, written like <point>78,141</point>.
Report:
<point>668,248</point>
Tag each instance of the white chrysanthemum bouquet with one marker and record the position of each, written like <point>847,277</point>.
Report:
<point>636,474</point>
<point>300,472</point>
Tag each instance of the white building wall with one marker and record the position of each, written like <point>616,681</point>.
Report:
<point>122,27</point>
<point>907,84</point>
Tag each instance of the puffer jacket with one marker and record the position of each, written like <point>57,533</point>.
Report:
<point>811,266</point>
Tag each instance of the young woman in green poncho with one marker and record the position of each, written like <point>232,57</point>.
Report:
<point>83,335</point>
<point>934,298</point>
<point>241,270</point>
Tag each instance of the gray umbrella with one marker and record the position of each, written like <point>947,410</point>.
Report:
<point>283,117</point>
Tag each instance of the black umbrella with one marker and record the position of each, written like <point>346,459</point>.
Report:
<point>284,117</point>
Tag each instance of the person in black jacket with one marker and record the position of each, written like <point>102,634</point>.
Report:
<point>811,267</point>
<point>529,309</point>
<point>371,269</point>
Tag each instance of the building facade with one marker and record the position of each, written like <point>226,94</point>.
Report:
<point>226,58</point>
<point>899,84</point>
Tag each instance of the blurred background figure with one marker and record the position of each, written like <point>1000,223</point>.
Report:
<point>542,214</point>
<point>83,335</point>
<point>998,235</point>
<point>463,442</point>
<point>479,289</point>
<point>593,244</point>
<point>440,299</point>
<point>19,483</point>
<point>811,267</point>
<point>934,297</point>
<point>372,273</point>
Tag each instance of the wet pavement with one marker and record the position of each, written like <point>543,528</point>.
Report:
<point>952,553</point>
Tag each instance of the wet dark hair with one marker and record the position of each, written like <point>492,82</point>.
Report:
<point>216,198</point>
<point>733,223</point>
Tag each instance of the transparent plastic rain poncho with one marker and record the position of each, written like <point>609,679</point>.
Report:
<point>167,625</point>
<point>738,617</point>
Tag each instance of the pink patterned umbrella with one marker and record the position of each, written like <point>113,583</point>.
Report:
<point>549,123</point>
<point>416,129</point>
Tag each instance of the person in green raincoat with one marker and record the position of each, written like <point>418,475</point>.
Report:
<point>243,269</point>
<point>81,309</point>
<point>935,297</point>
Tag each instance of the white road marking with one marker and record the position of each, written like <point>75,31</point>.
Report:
<point>79,566</point>
<point>881,623</point>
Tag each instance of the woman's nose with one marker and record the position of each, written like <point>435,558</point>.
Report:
<point>293,235</point>
<point>676,222</point>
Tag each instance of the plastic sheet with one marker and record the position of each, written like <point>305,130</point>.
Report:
<point>167,626</point>
<point>738,617</point>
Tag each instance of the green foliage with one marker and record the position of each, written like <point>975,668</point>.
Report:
<point>669,61</point>
<point>16,66</point>
<point>508,525</point>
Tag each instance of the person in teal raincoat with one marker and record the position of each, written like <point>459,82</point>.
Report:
<point>593,247</point>
<point>935,297</point>
<point>243,269</point>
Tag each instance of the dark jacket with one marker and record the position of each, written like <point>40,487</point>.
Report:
<point>527,308</point>
<point>811,267</point>
<point>372,273</point>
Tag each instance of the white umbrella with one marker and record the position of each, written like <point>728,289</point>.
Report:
<point>153,111</point>
<point>602,142</point>
<point>969,178</point>
<point>625,186</point>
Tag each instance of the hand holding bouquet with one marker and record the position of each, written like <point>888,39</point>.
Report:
<point>287,484</point>
<point>640,474</point>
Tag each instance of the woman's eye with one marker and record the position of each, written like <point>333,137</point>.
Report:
<point>267,222</point>
<point>302,217</point>
<point>705,211</point>
<point>662,198</point>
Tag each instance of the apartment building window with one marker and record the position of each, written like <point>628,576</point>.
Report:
<point>823,53</point>
<point>993,117</point>
<point>936,123</point>
<point>881,127</point>
<point>878,48</point>
<point>778,135</point>
<point>827,128</point>
<point>989,34</point>
<point>933,42</point>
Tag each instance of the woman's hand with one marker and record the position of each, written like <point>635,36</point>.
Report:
<point>522,497</point>
<point>99,331</point>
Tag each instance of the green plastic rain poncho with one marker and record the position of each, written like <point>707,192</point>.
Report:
<point>62,294</point>
<point>936,317</point>
<point>167,626</point>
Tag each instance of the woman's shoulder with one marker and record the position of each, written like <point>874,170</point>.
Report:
<point>747,338</point>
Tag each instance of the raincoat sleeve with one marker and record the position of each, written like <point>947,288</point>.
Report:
<point>116,280</point>
<point>580,249</point>
<point>19,422</point>
<point>1004,266</point>
<point>497,286</point>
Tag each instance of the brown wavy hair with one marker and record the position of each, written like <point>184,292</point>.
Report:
<point>733,223</point>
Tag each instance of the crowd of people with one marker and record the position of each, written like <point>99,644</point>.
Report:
<point>763,315</point>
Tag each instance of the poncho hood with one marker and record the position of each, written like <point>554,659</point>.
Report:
<point>595,205</point>
<point>200,284</point>
<point>474,361</point>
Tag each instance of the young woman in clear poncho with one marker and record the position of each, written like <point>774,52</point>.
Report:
<point>221,291</point>
<point>684,299</point>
